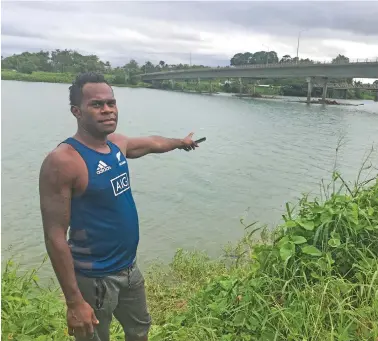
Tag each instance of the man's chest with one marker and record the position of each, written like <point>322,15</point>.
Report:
<point>103,175</point>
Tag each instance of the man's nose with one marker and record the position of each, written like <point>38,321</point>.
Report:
<point>106,108</point>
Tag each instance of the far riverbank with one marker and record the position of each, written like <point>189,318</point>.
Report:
<point>204,87</point>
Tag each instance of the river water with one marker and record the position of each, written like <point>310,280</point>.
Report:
<point>259,154</point>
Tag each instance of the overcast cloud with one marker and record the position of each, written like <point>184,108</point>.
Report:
<point>211,31</point>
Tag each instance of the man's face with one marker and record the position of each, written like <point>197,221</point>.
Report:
<point>97,113</point>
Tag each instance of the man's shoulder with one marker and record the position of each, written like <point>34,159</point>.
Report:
<point>115,137</point>
<point>61,160</point>
<point>119,140</point>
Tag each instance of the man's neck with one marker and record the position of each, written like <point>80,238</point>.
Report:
<point>96,143</point>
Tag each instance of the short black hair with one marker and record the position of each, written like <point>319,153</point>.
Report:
<point>76,89</point>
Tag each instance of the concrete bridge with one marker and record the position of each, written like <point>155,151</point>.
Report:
<point>312,72</point>
<point>367,69</point>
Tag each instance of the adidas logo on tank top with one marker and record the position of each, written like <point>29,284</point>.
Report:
<point>102,167</point>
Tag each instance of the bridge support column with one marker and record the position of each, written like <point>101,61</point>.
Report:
<point>376,97</point>
<point>324,89</point>
<point>211,86</point>
<point>346,94</point>
<point>172,84</point>
<point>309,88</point>
<point>240,86</point>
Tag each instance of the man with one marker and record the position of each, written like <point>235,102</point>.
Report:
<point>84,184</point>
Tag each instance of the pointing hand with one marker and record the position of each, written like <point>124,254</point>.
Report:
<point>188,143</point>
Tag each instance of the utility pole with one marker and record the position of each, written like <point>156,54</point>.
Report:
<point>299,35</point>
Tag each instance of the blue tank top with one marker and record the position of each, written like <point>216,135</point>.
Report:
<point>104,226</point>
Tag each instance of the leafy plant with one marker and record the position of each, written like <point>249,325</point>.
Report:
<point>318,280</point>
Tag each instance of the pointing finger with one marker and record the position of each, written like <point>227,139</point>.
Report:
<point>94,319</point>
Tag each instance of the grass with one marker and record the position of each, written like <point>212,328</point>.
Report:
<point>315,277</point>
<point>55,77</point>
<point>367,95</point>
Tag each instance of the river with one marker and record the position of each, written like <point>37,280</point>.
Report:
<point>258,155</point>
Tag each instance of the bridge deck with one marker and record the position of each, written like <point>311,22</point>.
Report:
<point>340,70</point>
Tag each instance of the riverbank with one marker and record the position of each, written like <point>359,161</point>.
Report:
<point>54,77</point>
<point>314,278</point>
<point>204,87</point>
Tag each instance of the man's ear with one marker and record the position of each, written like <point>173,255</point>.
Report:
<point>75,111</point>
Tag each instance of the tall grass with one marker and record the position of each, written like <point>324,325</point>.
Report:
<point>55,77</point>
<point>315,277</point>
<point>46,77</point>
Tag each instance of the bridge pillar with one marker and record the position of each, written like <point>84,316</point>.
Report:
<point>199,84</point>
<point>324,89</point>
<point>376,97</point>
<point>240,86</point>
<point>211,86</point>
<point>172,84</point>
<point>346,94</point>
<point>309,88</point>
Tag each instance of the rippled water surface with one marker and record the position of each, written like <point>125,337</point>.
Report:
<point>258,155</point>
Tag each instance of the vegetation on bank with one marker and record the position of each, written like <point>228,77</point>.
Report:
<point>205,86</point>
<point>61,66</point>
<point>315,277</point>
<point>54,77</point>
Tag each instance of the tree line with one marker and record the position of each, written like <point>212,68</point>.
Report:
<point>271,57</point>
<point>74,62</point>
<point>70,61</point>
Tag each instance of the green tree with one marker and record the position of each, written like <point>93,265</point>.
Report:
<point>241,59</point>
<point>148,67</point>
<point>340,59</point>
<point>286,59</point>
<point>132,70</point>
<point>27,67</point>
<point>260,57</point>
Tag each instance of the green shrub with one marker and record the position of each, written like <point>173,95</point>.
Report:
<point>318,280</point>
<point>28,311</point>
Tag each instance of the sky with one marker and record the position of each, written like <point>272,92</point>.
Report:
<point>207,33</point>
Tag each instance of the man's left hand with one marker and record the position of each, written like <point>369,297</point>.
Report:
<point>188,143</point>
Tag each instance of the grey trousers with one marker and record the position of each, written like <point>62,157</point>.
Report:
<point>122,295</point>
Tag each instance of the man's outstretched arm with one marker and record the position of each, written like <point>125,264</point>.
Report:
<point>55,185</point>
<point>140,146</point>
